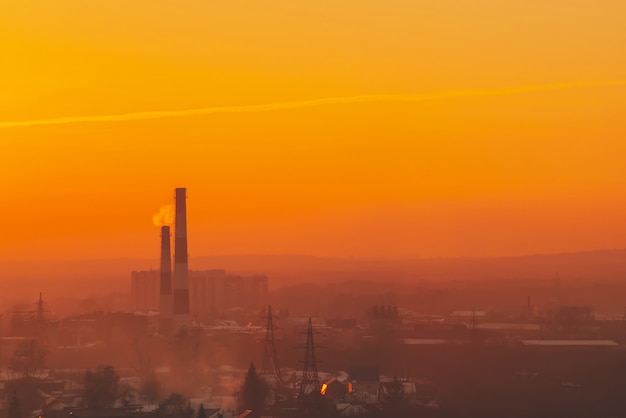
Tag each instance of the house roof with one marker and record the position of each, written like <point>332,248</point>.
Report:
<point>212,412</point>
<point>570,343</point>
<point>245,413</point>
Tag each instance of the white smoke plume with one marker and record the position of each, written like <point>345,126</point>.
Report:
<point>165,216</point>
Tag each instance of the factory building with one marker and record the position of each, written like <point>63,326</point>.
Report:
<point>206,292</point>
<point>210,291</point>
<point>145,290</point>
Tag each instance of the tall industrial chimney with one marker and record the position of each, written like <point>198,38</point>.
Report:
<point>165,308</point>
<point>181,268</point>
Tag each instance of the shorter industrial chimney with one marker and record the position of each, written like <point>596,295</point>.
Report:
<point>165,302</point>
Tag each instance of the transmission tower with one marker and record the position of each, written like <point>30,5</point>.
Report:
<point>310,379</point>
<point>473,320</point>
<point>270,357</point>
<point>40,317</point>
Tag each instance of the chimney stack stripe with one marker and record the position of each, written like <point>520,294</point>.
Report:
<point>181,268</point>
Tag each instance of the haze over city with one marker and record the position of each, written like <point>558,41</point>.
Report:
<point>432,190</point>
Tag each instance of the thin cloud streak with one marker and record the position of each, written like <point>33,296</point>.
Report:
<point>306,103</point>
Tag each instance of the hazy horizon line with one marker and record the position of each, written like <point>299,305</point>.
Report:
<point>378,258</point>
<point>370,98</point>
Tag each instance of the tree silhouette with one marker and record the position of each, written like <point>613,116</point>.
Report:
<point>28,358</point>
<point>175,406</point>
<point>254,391</point>
<point>15,408</point>
<point>151,388</point>
<point>201,412</point>
<point>27,395</point>
<point>187,347</point>
<point>101,387</point>
<point>396,403</point>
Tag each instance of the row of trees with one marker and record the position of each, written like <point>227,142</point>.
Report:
<point>102,389</point>
<point>255,395</point>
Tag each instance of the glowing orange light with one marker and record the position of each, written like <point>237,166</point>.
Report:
<point>324,387</point>
<point>349,387</point>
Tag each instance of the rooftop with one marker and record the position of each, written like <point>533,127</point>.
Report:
<point>571,343</point>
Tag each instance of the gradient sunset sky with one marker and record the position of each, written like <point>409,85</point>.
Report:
<point>341,128</point>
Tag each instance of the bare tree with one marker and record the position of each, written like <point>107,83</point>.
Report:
<point>28,358</point>
<point>175,406</point>
<point>101,387</point>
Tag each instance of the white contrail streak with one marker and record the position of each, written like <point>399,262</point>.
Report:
<point>306,103</point>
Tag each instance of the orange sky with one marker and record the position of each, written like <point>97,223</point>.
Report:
<point>501,131</point>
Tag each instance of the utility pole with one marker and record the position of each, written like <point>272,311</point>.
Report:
<point>270,357</point>
<point>310,383</point>
<point>1,316</point>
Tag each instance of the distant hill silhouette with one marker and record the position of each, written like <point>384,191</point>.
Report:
<point>343,286</point>
<point>85,276</point>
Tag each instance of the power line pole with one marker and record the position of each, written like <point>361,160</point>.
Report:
<point>310,383</point>
<point>270,356</point>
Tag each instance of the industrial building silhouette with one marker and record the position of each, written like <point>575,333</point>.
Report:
<point>184,294</point>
